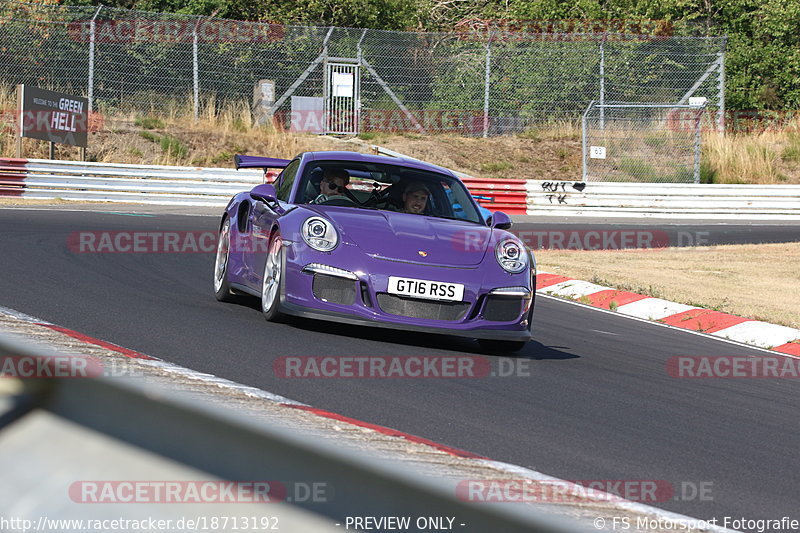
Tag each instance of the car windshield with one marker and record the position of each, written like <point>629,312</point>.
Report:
<point>386,187</point>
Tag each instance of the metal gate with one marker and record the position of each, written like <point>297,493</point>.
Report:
<point>342,96</point>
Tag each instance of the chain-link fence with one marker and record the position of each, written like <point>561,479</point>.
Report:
<point>642,142</point>
<point>469,82</point>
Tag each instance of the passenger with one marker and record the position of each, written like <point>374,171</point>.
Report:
<point>415,198</point>
<point>334,181</point>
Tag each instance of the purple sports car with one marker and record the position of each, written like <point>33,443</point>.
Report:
<point>376,241</point>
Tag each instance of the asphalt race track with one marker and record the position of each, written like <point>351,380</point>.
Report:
<point>597,403</point>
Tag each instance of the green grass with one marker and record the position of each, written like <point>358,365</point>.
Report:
<point>239,125</point>
<point>655,140</point>
<point>638,170</point>
<point>152,137</point>
<point>222,157</point>
<point>173,146</point>
<point>496,167</point>
<point>150,123</point>
<point>707,173</point>
<point>792,151</point>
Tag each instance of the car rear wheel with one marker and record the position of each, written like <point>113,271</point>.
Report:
<point>271,281</point>
<point>222,289</point>
<point>495,346</point>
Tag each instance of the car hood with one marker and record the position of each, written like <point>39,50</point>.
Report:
<point>414,238</point>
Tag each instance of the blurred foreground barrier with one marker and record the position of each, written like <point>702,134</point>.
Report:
<point>133,429</point>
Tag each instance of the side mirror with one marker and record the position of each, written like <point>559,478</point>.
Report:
<point>499,220</point>
<point>266,193</point>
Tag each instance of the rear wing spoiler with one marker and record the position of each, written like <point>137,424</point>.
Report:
<point>254,161</point>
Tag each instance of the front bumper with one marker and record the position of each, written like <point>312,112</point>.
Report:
<point>350,287</point>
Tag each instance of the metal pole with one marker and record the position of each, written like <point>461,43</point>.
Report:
<point>20,118</point>
<point>721,89</point>
<point>697,121</point>
<point>486,86</point>
<point>52,150</point>
<point>603,82</point>
<point>583,139</point>
<point>91,60</point>
<point>358,79</point>
<point>196,94</point>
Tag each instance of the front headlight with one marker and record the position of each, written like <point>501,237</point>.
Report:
<point>511,256</point>
<point>320,234</point>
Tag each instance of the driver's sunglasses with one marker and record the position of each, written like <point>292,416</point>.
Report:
<point>332,186</point>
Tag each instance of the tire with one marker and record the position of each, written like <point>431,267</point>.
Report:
<point>272,279</point>
<point>497,347</point>
<point>222,288</point>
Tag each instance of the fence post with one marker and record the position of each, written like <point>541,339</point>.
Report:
<point>90,96</point>
<point>195,74</point>
<point>583,139</point>
<point>721,89</point>
<point>486,85</point>
<point>697,143</point>
<point>602,82</point>
<point>358,93</point>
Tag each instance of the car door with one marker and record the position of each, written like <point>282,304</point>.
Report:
<point>262,219</point>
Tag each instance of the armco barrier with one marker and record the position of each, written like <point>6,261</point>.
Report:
<point>198,186</point>
<point>571,198</point>
<point>222,444</point>
<point>112,182</point>
<point>510,196</point>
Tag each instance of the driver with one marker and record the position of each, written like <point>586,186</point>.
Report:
<point>334,181</point>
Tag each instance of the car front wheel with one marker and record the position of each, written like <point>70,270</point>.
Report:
<point>222,289</point>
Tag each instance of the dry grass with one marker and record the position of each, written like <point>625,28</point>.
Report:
<point>765,157</point>
<point>758,281</point>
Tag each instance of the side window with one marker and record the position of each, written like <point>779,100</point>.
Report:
<point>286,180</point>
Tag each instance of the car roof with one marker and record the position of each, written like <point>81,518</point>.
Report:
<point>379,159</point>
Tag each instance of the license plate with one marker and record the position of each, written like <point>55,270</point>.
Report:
<point>423,288</point>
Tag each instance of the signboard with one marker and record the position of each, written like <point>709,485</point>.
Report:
<point>597,152</point>
<point>343,84</point>
<point>51,116</point>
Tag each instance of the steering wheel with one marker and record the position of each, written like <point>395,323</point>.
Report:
<point>340,202</point>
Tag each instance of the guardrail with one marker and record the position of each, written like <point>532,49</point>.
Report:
<point>228,446</point>
<point>199,186</point>
<point>112,182</point>
<point>662,199</point>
